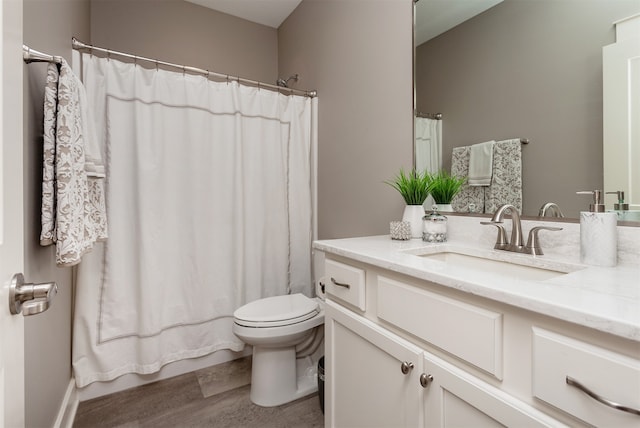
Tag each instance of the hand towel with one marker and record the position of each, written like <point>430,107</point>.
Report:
<point>469,199</point>
<point>73,203</point>
<point>47,234</point>
<point>481,164</point>
<point>506,183</point>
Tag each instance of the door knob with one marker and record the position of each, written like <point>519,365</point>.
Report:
<point>28,298</point>
<point>406,367</point>
<point>425,379</point>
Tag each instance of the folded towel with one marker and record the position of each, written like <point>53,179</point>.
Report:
<point>506,184</point>
<point>73,203</point>
<point>481,164</point>
<point>469,199</point>
<point>47,234</point>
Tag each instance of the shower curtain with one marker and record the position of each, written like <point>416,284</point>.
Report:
<point>428,149</point>
<point>209,200</point>
<point>428,145</point>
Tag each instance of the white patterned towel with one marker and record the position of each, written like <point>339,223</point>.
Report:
<point>506,183</point>
<point>470,198</point>
<point>73,204</point>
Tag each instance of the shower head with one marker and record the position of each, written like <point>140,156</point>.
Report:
<point>285,83</point>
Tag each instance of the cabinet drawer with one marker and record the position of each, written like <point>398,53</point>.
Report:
<point>471,333</point>
<point>345,283</point>
<point>611,376</point>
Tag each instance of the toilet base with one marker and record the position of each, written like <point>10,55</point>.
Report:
<point>275,379</point>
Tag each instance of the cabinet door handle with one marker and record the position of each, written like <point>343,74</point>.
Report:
<point>425,379</point>
<point>572,382</point>
<point>406,367</point>
<point>340,284</point>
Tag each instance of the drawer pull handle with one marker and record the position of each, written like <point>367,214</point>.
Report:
<point>425,379</point>
<point>406,367</point>
<point>340,284</point>
<point>572,382</point>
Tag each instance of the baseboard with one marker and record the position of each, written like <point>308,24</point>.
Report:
<point>68,407</point>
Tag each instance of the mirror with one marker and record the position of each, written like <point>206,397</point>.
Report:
<point>529,69</point>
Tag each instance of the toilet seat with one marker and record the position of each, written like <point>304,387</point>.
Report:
<point>276,311</point>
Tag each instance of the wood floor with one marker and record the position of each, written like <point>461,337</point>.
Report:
<point>213,397</point>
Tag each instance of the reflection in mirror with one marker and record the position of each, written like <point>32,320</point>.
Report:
<point>526,69</point>
<point>428,142</point>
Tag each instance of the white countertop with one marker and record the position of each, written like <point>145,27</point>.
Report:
<point>606,299</point>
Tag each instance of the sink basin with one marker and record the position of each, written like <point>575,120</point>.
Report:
<point>496,266</point>
<point>512,265</point>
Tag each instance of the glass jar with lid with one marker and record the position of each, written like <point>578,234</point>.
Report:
<point>434,227</point>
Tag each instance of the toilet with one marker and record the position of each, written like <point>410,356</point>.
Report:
<point>287,335</point>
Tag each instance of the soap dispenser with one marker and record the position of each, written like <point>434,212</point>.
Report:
<point>620,206</point>
<point>598,233</point>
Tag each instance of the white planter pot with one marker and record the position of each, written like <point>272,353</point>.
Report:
<point>444,208</point>
<point>413,214</point>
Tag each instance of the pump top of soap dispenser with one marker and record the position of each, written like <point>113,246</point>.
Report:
<point>620,206</point>
<point>597,206</point>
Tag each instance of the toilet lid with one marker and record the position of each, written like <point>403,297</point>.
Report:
<point>277,310</point>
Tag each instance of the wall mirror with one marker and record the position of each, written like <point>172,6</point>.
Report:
<point>529,69</point>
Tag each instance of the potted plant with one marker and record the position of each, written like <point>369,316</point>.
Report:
<point>443,187</point>
<point>414,189</point>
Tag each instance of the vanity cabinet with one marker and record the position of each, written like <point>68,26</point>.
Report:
<point>455,398</point>
<point>565,371</point>
<point>408,352</point>
<point>369,374</point>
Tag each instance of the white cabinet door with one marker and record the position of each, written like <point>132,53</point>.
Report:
<point>12,412</point>
<point>365,383</point>
<point>455,398</point>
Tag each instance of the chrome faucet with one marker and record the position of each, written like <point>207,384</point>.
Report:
<point>552,208</point>
<point>515,244</point>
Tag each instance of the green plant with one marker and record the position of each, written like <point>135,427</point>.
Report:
<point>444,186</point>
<point>414,187</point>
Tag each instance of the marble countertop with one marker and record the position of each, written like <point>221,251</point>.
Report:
<point>606,299</point>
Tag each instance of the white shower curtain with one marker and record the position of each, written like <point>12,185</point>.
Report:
<point>428,145</point>
<point>428,149</point>
<point>209,202</point>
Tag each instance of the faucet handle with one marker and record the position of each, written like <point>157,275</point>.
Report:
<point>501,242</point>
<point>533,242</point>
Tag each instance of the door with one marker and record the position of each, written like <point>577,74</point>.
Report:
<point>621,114</point>
<point>455,398</point>
<point>372,376</point>
<point>11,220</point>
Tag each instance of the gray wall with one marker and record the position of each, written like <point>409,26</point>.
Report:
<point>185,33</point>
<point>530,69</point>
<point>358,55</point>
<point>48,27</point>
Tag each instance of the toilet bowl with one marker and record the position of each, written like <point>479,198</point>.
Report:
<point>286,333</point>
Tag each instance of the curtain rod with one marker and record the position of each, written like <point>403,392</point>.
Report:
<point>31,55</point>
<point>436,116</point>
<point>78,45</point>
